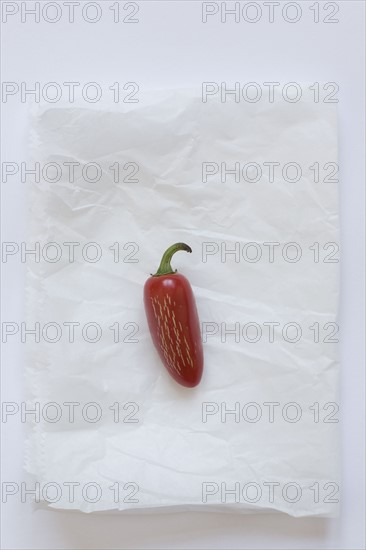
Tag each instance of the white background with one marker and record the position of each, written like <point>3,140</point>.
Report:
<point>170,47</point>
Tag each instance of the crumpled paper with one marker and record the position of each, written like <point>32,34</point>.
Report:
<point>124,435</point>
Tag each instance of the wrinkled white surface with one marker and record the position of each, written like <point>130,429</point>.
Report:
<point>170,452</point>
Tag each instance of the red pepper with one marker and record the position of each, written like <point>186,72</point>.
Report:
<point>173,321</point>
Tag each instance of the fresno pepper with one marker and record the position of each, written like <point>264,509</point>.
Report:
<point>173,321</point>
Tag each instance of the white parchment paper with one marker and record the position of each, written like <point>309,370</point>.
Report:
<point>124,433</point>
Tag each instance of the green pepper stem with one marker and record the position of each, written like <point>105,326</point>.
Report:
<point>165,268</point>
